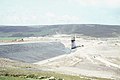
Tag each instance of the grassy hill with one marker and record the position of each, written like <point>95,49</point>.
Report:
<point>93,30</point>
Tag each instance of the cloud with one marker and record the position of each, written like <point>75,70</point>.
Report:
<point>48,18</point>
<point>17,19</point>
<point>109,3</point>
<point>52,17</point>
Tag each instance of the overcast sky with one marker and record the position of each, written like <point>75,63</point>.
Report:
<point>40,12</point>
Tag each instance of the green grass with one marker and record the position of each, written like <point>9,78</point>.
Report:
<point>23,74</point>
<point>9,38</point>
<point>11,78</point>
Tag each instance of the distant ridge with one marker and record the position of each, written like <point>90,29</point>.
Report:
<point>93,30</point>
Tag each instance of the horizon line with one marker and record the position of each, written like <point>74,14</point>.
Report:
<point>57,24</point>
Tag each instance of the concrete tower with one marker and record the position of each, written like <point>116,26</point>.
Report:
<point>73,45</point>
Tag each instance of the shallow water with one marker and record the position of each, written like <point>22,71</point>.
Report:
<point>32,52</point>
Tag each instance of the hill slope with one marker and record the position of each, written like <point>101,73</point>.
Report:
<point>93,30</point>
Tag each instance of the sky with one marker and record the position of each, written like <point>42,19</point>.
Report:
<point>50,12</point>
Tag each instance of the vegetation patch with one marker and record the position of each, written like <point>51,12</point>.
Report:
<point>9,38</point>
<point>24,74</point>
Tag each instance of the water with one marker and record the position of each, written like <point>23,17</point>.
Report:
<point>32,52</point>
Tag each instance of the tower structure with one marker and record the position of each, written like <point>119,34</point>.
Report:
<point>73,45</point>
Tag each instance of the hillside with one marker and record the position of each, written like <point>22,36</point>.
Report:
<point>14,70</point>
<point>93,30</point>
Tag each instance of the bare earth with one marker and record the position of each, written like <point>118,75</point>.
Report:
<point>97,58</point>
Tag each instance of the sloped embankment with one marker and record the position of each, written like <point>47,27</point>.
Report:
<point>32,52</point>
